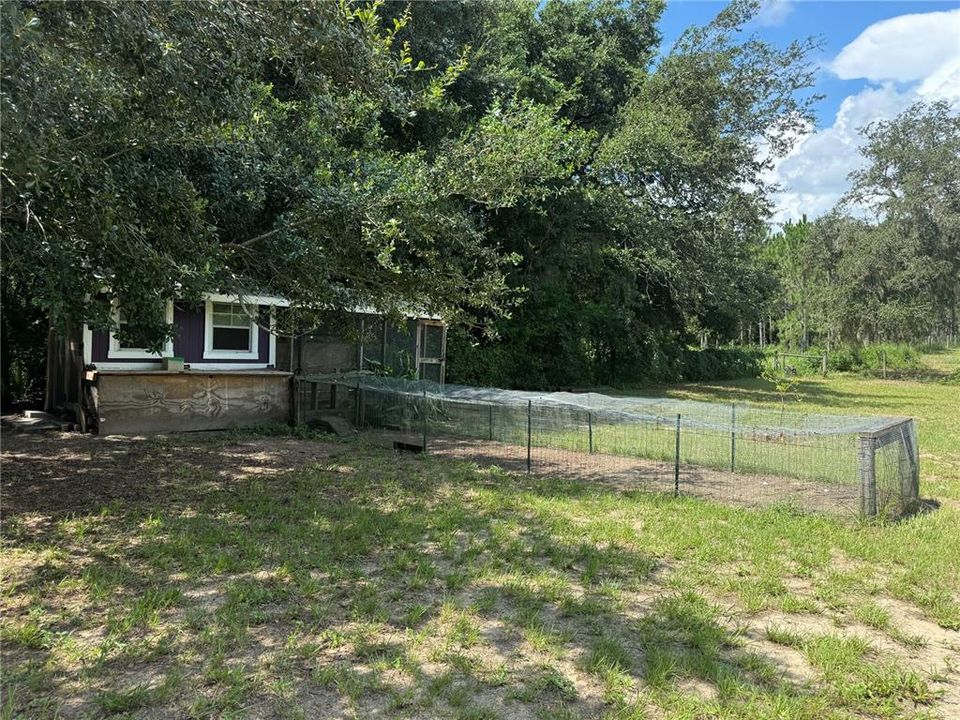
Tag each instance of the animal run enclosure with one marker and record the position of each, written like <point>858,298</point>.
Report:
<point>852,466</point>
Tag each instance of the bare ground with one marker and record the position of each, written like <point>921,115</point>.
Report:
<point>50,477</point>
<point>631,473</point>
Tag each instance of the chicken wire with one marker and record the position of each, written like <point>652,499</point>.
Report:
<point>847,465</point>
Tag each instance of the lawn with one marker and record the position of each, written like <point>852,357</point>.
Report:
<point>244,576</point>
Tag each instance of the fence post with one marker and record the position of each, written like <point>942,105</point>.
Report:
<point>424,418</point>
<point>733,437</point>
<point>358,401</point>
<point>823,363</point>
<point>910,486</point>
<point>868,476</point>
<point>297,400</point>
<point>676,462</point>
<point>490,421</point>
<point>529,430</point>
<point>590,430</point>
<point>883,363</point>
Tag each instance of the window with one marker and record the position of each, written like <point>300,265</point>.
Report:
<point>128,330</point>
<point>231,331</point>
<point>134,346</point>
<point>231,327</point>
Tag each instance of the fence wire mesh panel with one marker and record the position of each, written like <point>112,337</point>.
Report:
<point>853,466</point>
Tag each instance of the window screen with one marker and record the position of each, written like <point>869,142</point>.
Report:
<point>232,327</point>
<point>432,341</point>
<point>432,372</point>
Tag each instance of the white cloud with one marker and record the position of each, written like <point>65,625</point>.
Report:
<point>814,174</point>
<point>944,82</point>
<point>774,13</point>
<point>904,48</point>
<point>903,59</point>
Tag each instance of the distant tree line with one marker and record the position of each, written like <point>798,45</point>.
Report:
<point>884,266</point>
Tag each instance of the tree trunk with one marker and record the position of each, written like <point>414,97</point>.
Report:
<point>51,394</point>
<point>6,393</point>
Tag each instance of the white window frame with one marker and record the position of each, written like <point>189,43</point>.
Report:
<point>208,351</point>
<point>115,352</point>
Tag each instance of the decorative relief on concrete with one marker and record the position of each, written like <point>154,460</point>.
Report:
<point>163,403</point>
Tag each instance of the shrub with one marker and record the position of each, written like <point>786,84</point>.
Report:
<point>718,364</point>
<point>898,357</point>
<point>658,359</point>
<point>868,358</point>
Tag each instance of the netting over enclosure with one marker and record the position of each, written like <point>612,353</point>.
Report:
<point>861,466</point>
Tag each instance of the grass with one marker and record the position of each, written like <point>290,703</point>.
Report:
<point>354,582</point>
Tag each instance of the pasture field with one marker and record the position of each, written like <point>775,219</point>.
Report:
<point>295,576</point>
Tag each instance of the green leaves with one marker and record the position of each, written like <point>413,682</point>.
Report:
<point>896,278</point>
<point>163,150</point>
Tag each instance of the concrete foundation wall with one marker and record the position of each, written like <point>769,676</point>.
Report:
<point>137,403</point>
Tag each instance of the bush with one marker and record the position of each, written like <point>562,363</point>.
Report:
<point>898,357</point>
<point>869,358</point>
<point>660,360</point>
<point>843,360</point>
<point>719,364</point>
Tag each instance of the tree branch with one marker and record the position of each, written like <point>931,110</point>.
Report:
<point>275,231</point>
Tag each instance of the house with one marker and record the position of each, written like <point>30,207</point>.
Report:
<point>226,365</point>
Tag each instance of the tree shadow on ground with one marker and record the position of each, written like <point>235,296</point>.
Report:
<point>327,570</point>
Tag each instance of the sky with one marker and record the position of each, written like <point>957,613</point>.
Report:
<point>877,58</point>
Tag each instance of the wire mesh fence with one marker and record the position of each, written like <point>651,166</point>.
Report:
<point>852,466</point>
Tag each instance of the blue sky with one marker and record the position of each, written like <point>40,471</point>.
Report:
<point>877,58</point>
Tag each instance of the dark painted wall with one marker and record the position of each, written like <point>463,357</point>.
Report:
<point>187,342</point>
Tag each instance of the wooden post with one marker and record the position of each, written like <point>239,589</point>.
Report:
<point>868,475</point>
<point>676,462</point>
<point>590,430</point>
<point>296,387</point>
<point>529,430</point>
<point>733,436</point>
<point>490,422</point>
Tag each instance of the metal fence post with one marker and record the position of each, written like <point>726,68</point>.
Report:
<point>590,431</point>
<point>909,484</point>
<point>676,462</point>
<point>358,401</point>
<point>733,437</point>
<point>424,418</point>
<point>868,475</point>
<point>490,421</point>
<point>529,430</point>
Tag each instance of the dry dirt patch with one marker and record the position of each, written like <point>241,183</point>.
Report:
<point>56,474</point>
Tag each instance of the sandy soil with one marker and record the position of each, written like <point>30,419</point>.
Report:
<point>627,473</point>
